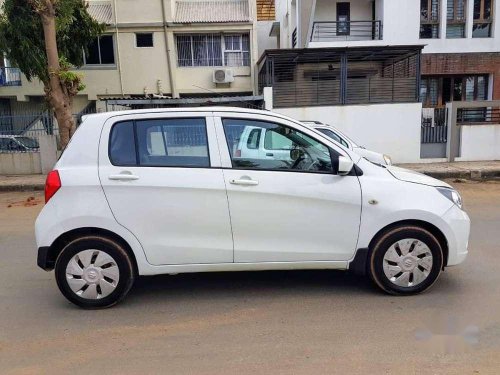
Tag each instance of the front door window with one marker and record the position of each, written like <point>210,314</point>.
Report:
<point>269,146</point>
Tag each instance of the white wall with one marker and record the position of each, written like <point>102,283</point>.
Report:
<point>264,41</point>
<point>326,10</point>
<point>480,142</point>
<point>20,163</point>
<point>401,25</point>
<point>393,129</point>
<point>24,163</point>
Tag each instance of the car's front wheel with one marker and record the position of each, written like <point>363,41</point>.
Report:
<point>405,260</point>
<point>94,272</point>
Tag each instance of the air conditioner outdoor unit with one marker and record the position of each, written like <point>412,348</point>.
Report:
<point>223,76</point>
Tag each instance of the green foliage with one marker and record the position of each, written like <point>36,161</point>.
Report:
<point>22,39</point>
<point>71,80</point>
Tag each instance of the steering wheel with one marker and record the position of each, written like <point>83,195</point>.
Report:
<point>302,158</point>
<point>310,166</point>
<point>297,162</point>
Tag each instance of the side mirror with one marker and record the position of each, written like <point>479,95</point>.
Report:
<point>296,154</point>
<point>345,166</point>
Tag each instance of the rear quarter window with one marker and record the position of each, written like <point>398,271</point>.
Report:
<point>122,150</point>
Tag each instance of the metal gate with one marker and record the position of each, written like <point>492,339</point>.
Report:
<point>434,133</point>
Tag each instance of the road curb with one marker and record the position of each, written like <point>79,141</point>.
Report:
<point>465,174</point>
<point>26,187</point>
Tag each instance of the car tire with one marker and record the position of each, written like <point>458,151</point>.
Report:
<point>94,272</point>
<point>405,260</point>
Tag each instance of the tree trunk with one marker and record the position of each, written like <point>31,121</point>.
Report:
<point>58,99</point>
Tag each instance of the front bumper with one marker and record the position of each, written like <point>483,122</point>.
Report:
<point>458,237</point>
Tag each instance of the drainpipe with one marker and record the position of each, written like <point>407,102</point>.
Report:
<point>171,78</point>
<point>118,48</point>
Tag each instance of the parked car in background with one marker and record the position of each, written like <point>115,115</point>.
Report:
<point>344,140</point>
<point>184,190</point>
<point>10,143</point>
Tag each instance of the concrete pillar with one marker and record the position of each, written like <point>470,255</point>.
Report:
<point>48,152</point>
<point>268,98</point>
<point>454,132</point>
<point>470,19</point>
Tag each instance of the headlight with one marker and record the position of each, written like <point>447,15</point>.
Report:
<point>388,160</point>
<point>452,195</point>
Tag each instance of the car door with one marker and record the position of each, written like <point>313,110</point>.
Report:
<point>162,177</point>
<point>288,210</point>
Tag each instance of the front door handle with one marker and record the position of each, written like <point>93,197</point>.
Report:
<point>124,176</point>
<point>244,182</point>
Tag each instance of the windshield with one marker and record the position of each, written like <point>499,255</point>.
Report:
<point>331,134</point>
<point>341,135</point>
<point>28,142</point>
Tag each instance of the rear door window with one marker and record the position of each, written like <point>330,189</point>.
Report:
<point>160,143</point>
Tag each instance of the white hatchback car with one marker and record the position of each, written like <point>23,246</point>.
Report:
<point>344,140</point>
<point>166,191</point>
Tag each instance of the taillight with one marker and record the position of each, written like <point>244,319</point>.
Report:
<point>52,184</point>
<point>237,154</point>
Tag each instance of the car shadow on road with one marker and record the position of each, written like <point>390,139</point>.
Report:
<point>248,284</point>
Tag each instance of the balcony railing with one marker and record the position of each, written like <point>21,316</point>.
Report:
<point>10,77</point>
<point>478,115</point>
<point>332,31</point>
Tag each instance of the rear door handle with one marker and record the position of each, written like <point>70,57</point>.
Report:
<point>244,182</point>
<point>123,177</point>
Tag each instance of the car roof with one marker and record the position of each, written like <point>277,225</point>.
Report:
<point>106,115</point>
<point>312,122</point>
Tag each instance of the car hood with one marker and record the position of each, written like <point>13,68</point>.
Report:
<point>415,177</point>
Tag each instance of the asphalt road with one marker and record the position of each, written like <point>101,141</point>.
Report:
<point>259,323</point>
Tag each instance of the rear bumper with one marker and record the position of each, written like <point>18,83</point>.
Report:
<point>458,238</point>
<point>43,260</point>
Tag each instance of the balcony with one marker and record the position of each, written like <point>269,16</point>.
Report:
<point>334,31</point>
<point>10,77</point>
<point>341,76</point>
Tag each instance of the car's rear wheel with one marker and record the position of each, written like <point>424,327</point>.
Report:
<point>405,260</point>
<point>94,272</point>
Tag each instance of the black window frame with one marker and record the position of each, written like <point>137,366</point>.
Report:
<point>456,19</point>
<point>334,155</point>
<point>430,19</point>
<point>214,46</point>
<point>480,19</point>
<point>100,63</point>
<point>446,83</point>
<point>139,35</point>
<point>136,143</point>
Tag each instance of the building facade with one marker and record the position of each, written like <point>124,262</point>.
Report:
<point>157,49</point>
<point>459,60</point>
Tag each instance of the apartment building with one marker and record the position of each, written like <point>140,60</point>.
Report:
<point>158,52</point>
<point>442,51</point>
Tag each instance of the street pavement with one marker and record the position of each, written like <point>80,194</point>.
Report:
<point>300,322</point>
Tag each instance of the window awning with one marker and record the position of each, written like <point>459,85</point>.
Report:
<point>101,11</point>
<point>213,11</point>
